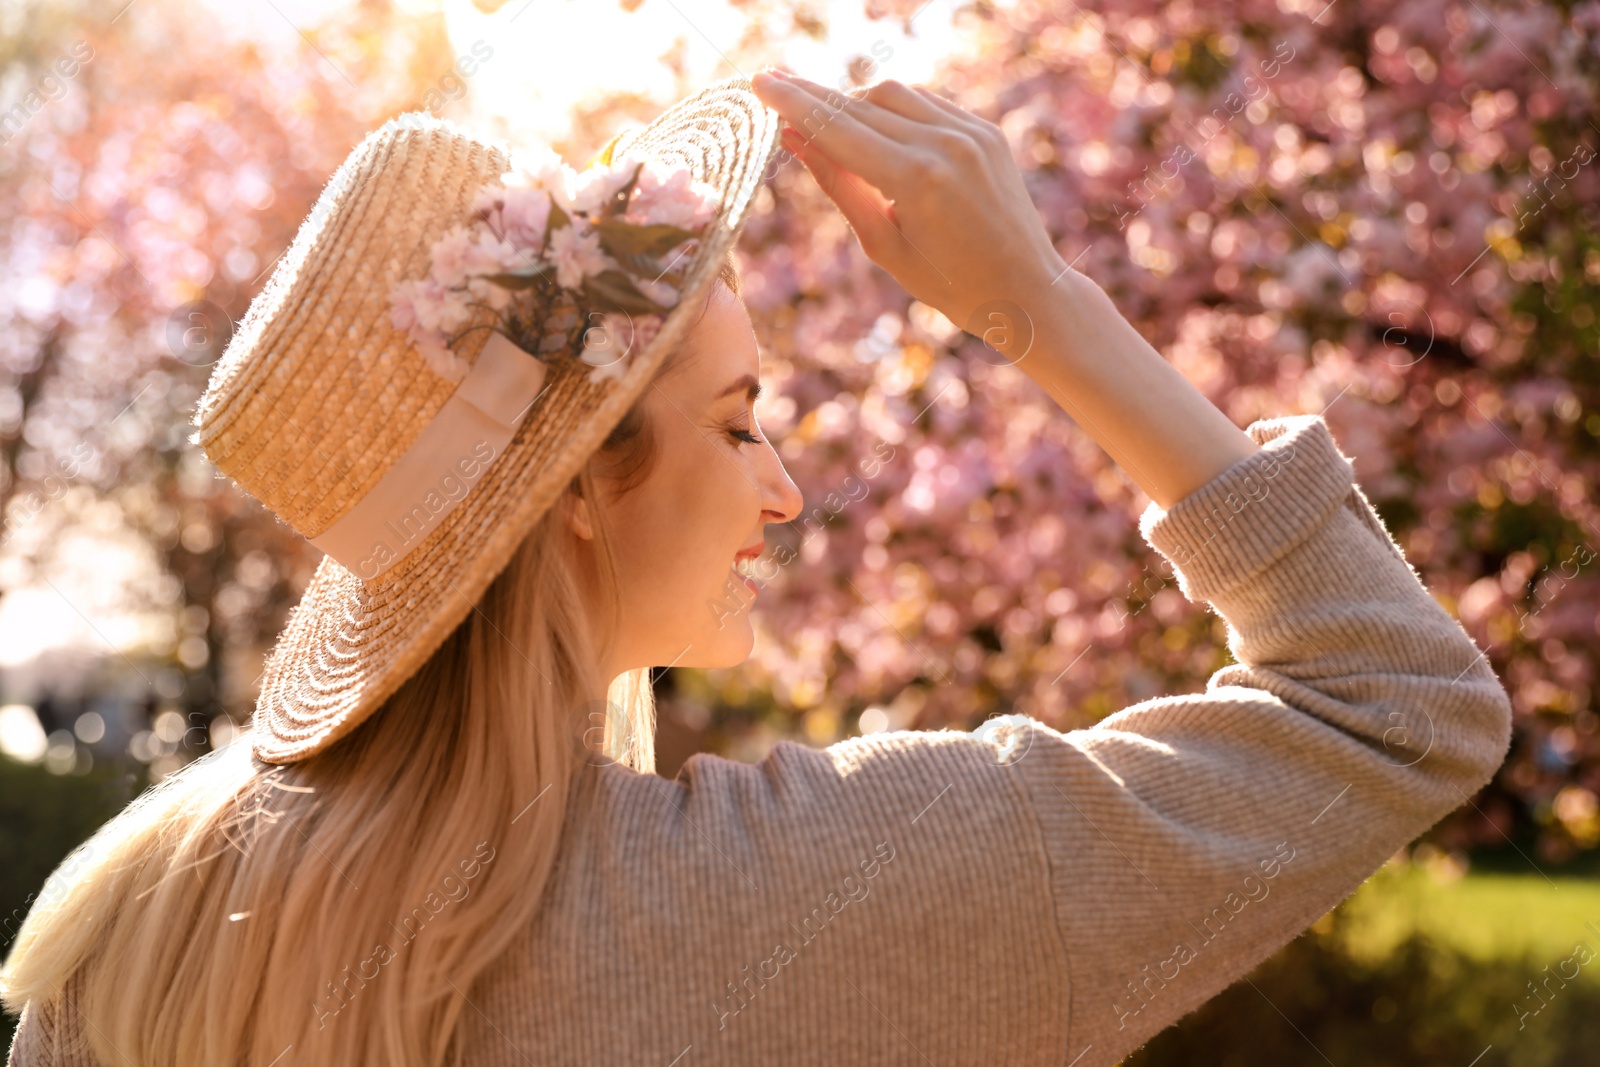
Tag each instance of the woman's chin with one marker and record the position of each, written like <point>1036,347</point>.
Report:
<point>726,647</point>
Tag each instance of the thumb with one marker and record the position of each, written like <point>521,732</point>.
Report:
<point>869,214</point>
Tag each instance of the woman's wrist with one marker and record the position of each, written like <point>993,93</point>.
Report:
<point>1070,338</point>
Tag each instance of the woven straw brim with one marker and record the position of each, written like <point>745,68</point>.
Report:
<point>349,644</point>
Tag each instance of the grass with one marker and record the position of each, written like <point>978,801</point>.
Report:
<point>1485,917</point>
<point>1424,964</point>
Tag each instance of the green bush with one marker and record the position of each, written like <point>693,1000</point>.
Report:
<point>44,816</point>
<point>1411,971</point>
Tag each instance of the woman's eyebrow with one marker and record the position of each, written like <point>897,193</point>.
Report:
<point>748,382</point>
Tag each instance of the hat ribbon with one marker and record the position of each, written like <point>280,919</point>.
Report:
<point>441,466</point>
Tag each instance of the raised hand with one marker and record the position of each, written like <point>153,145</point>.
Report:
<point>937,201</point>
<point>930,189</point>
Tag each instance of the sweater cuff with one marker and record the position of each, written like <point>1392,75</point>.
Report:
<point>1256,511</point>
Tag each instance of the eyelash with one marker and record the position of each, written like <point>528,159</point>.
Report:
<point>744,436</point>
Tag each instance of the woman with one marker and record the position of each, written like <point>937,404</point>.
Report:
<point>443,841</point>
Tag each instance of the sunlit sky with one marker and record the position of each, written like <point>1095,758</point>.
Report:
<point>551,54</point>
<point>548,55</point>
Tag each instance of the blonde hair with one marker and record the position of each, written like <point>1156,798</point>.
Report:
<point>340,908</point>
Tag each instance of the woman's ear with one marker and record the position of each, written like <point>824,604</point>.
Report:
<point>577,516</point>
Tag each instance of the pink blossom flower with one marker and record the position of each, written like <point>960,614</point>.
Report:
<point>441,360</point>
<point>604,363</point>
<point>645,328</point>
<point>450,255</point>
<point>490,200</point>
<point>497,297</point>
<point>606,338</point>
<point>667,194</point>
<point>524,216</point>
<point>491,255</point>
<point>589,190</point>
<point>575,251</point>
<point>535,168</point>
<point>608,372</point>
<point>424,305</point>
<point>507,233</point>
<point>662,293</point>
<point>455,309</point>
<point>424,309</point>
<point>617,338</point>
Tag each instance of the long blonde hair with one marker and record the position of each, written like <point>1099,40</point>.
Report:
<point>338,910</point>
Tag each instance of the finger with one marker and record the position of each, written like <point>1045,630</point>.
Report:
<point>899,98</point>
<point>951,110</point>
<point>850,143</point>
<point>863,207</point>
<point>861,106</point>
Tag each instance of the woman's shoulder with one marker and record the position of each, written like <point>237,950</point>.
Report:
<point>51,1032</point>
<point>798,798</point>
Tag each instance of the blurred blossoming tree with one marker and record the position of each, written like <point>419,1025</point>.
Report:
<point>1385,213</point>
<point>1381,212</point>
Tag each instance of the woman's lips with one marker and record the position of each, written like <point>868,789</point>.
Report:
<point>748,581</point>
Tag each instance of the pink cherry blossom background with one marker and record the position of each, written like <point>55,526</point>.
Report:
<point>1383,212</point>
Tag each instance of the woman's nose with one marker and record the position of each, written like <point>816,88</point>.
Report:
<point>783,496</point>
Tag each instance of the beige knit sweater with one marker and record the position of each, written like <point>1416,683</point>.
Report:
<point>1016,895</point>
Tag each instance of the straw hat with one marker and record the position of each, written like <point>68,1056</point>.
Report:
<point>319,396</point>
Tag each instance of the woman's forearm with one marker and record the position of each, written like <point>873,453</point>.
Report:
<point>1156,425</point>
<point>935,197</point>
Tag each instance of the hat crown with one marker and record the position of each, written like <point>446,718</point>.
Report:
<point>317,393</point>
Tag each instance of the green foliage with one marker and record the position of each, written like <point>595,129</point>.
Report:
<point>45,816</point>
<point>612,290</point>
<point>1412,971</point>
<point>626,241</point>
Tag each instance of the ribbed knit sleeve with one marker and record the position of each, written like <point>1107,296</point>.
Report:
<point>1189,837</point>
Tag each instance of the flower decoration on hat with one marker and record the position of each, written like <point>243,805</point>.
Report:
<point>582,264</point>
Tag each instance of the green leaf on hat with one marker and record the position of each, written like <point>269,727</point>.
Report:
<point>523,277</point>
<point>625,241</point>
<point>612,290</point>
